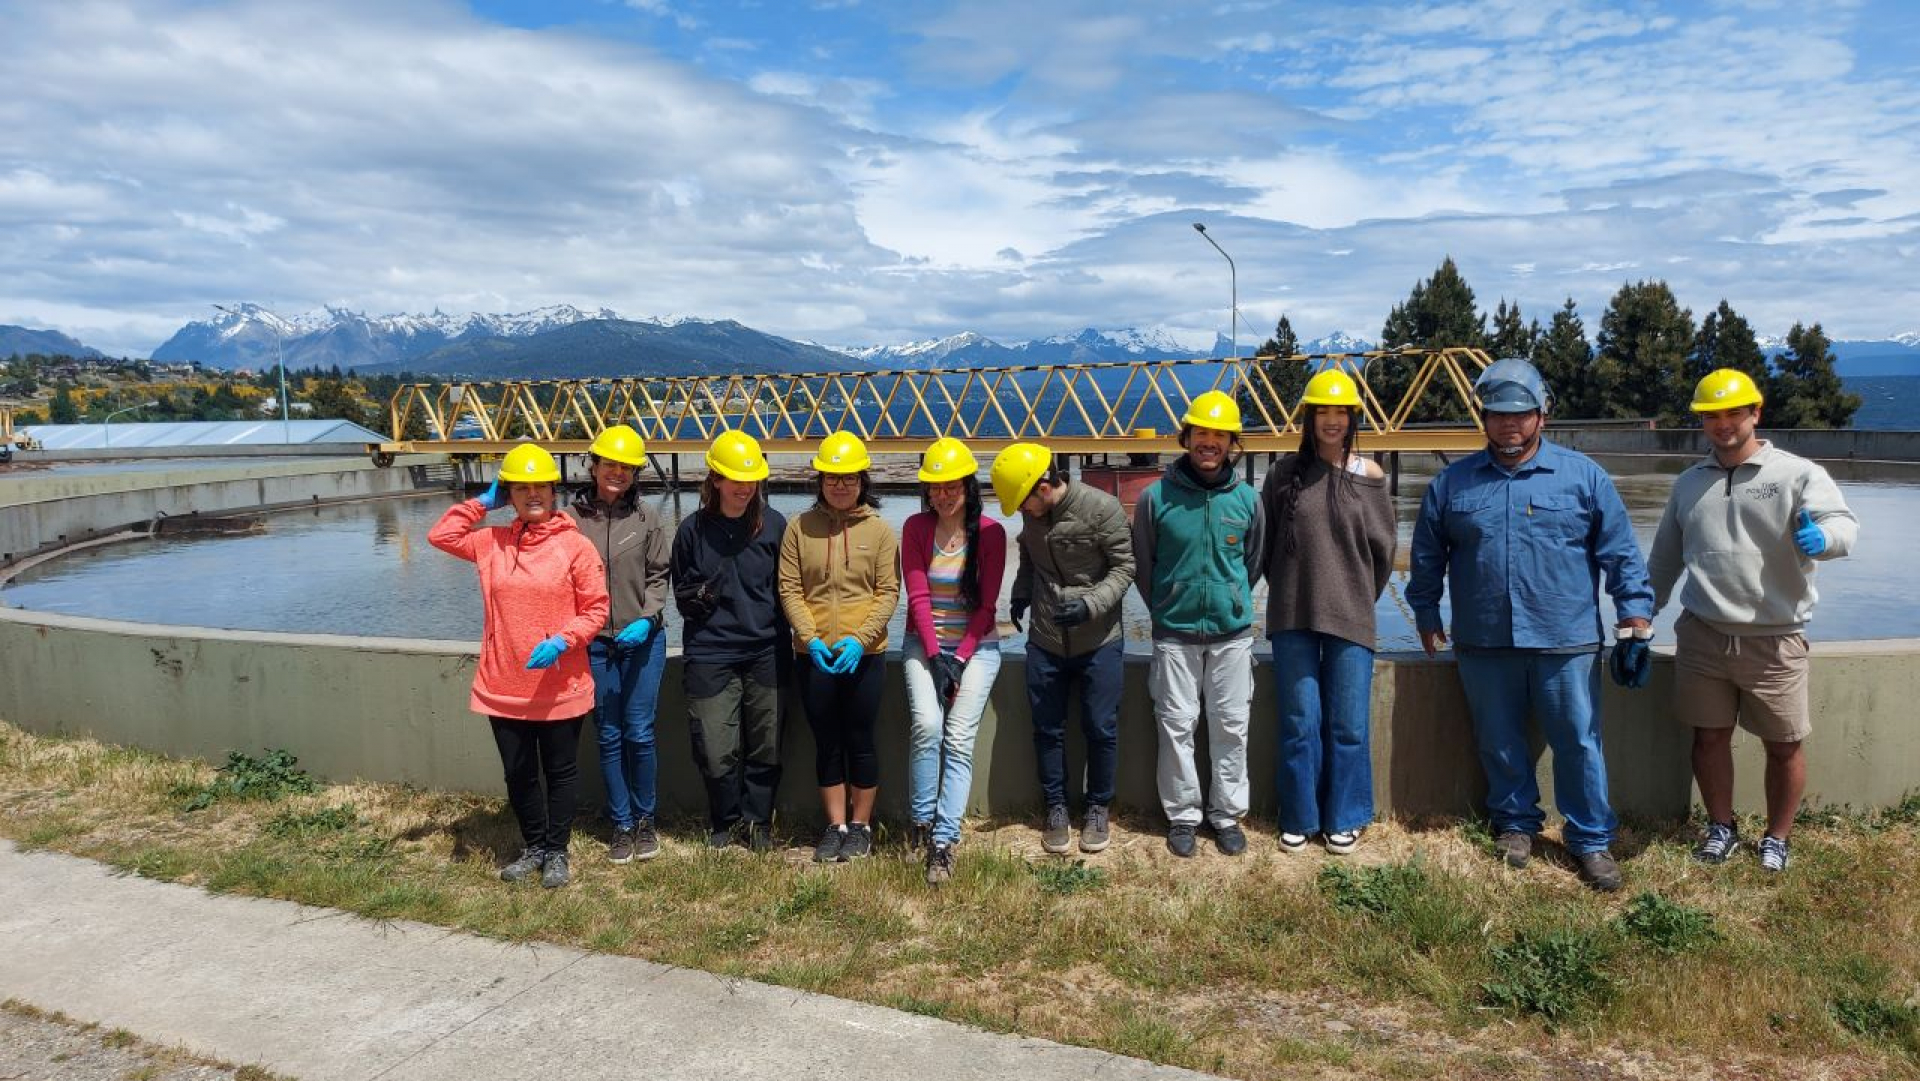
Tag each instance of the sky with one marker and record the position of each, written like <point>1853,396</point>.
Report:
<point>856,173</point>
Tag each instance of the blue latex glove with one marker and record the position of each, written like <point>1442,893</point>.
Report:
<point>850,651</point>
<point>1632,662</point>
<point>635,632</point>
<point>822,655</point>
<point>547,652</point>
<point>1809,536</point>
<point>493,498</point>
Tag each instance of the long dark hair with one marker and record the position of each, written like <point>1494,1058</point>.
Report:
<point>866,490</point>
<point>970,521</point>
<point>710,502</point>
<point>1303,459</point>
<point>587,495</point>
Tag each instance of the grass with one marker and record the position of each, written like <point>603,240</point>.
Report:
<point>1420,956</point>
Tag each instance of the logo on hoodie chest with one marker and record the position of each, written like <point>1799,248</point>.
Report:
<point>1763,490</point>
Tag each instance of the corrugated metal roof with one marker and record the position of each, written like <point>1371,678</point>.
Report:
<point>199,433</point>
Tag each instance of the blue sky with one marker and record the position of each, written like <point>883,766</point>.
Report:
<point>863,173</point>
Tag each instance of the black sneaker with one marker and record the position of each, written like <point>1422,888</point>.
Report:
<point>720,838</point>
<point>1230,839</point>
<point>831,842</point>
<point>529,861</point>
<point>646,843</point>
<point>918,836</point>
<point>760,837</point>
<point>1093,832</point>
<point>859,842</point>
<point>1057,837</point>
<point>1180,839</point>
<point>939,864</point>
<point>555,875</point>
<point>620,849</point>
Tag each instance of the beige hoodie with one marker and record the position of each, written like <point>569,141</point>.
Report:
<point>839,576</point>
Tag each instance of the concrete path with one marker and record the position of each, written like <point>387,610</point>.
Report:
<point>315,994</point>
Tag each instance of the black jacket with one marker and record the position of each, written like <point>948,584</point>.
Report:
<point>726,585</point>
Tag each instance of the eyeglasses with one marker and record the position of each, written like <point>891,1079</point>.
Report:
<point>841,480</point>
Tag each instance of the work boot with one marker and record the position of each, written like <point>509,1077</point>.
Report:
<point>529,861</point>
<point>1230,839</point>
<point>1093,832</point>
<point>939,864</point>
<point>646,843</point>
<point>1514,847</point>
<point>555,875</point>
<point>828,850</point>
<point>1180,839</point>
<point>1057,837</point>
<point>1598,870</point>
<point>858,843</point>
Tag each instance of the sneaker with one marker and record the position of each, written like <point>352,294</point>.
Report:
<point>554,875</point>
<point>1058,835</point>
<point>858,843</point>
<point>1292,842</point>
<point>1093,831</point>
<point>831,842</point>
<point>530,860</point>
<point>1342,842</point>
<point>939,864</point>
<point>1514,847</point>
<point>720,838</point>
<point>1721,840</point>
<point>620,849</point>
<point>1773,854</point>
<point>918,835</point>
<point>760,837</point>
<point>1598,870</point>
<point>1230,839</point>
<point>1180,839</point>
<point>646,843</point>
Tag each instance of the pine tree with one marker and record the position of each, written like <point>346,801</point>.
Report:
<point>61,409</point>
<point>1511,337</point>
<point>1565,360</point>
<point>1807,392</point>
<point>1640,371</point>
<point>1725,341</point>
<point>1438,313</point>
<point>1288,377</point>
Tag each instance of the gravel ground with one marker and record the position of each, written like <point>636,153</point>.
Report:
<point>39,1046</point>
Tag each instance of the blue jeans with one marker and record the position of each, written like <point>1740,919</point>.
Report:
<point>1563,691</point>
<point>626,690</point>
<point>1325,688</point>
<point>1101,676</point>
<point>940,743</point>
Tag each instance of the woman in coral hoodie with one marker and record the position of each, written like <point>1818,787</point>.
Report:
<point>544,592</point>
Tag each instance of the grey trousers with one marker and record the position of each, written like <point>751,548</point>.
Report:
<point>1185,675</point>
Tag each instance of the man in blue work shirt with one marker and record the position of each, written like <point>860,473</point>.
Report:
<point>1524,530</point>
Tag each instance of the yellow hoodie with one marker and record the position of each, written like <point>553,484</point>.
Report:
<point>839,576</point>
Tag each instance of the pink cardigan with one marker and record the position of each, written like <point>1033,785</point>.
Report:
<point>916,552</point>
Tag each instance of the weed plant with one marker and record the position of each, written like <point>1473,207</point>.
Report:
<point>245,777</point>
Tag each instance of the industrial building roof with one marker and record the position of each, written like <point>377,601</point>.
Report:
<point>199,433</point>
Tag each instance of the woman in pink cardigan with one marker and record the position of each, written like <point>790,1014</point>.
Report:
<point>544,594</point>
<point>952,559</point>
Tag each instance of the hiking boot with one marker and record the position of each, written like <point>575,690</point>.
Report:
<point>1057,837</point>
<point>760,837</point>
<point>1774,856</point>
<point>1292,842</point>
<point>1598,870</point>
<point>1230,839</point>
<point>828,850</point>
<point>1514,847</point>
<point>530,860</point>
<point>1721,840</point>
<point>1180,839</point>
<point>859,842</point>
<point>918,835</point>
<point>620,849</point>
<point>939,864</point>
<point>1343,842</point>
<point>1093,831</point>
<point>646,843</point>
<point>555,875</point>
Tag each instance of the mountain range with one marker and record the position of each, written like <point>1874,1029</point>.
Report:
<point>21,342</point>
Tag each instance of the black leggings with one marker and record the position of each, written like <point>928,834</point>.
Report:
<point>842,710</point>
<point>529,751</point>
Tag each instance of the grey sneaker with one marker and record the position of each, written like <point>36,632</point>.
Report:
<point>1180,839</point>
<point>1093,831</point>
<point>939,864</point>
<point>529,861</point>
<point>760,837</point>
<point>555,875</point>
<point>1514,847</point>
<point>1720,842</point>
<point>620,849</point>
<point>858,843</point>
<point>1343,842</point>
<point>831,842</point>
<point>1774,856</point>
<point>720,838</point>
<point>918,835</point>
<point>1598,870</point>
<point>646,843</point>
<point>1292,842</point>
<point>1230,839</point>
<point>1057,837</point>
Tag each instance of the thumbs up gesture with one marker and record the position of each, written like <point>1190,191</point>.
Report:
<point>1808,535</point>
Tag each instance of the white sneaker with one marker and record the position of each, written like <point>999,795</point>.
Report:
<point>1773,854</point>
<point>1342,842</point>
<point>1292,842</point>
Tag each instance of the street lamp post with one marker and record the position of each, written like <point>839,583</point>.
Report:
<point>1233,281</point>
<point>280,359</point>
<point>106,426</point>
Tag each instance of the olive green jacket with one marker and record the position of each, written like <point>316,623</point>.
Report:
<point>1082,548</point>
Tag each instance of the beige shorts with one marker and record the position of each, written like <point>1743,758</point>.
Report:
<point>1756,681</point>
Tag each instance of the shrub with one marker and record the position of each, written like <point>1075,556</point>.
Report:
<point>245,777</point>
<point>1557,975</point>
<point>1667,926</point>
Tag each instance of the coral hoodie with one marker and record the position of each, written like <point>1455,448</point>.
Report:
<point>536,581</point>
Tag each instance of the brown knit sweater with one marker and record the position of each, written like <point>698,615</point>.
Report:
<point>1342,553</point>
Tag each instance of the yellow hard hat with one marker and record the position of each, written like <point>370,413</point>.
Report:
<point>736,456</point>
<point>1214,409</point>
<point>529,463</point>
<point>1332,387</point>
<point>620,444</point>
<point>842,452</point>
<point>1728,388</point>
<point>1016,470</point>
<point>948,459</point>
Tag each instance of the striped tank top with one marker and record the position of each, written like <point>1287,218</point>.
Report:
<point>950,616</point>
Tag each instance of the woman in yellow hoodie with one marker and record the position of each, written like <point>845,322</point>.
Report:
<point>839,585</point>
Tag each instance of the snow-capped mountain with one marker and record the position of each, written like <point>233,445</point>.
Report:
<point>1338,342</point>
<point>248,335</point>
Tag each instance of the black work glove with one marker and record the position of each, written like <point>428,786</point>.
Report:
<point>1072,613</point>
<point>701,603</point>
<point>1016,611</point>
<point>947,670</point>
<point>1631,663</point>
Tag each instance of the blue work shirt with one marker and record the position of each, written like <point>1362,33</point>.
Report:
<point>1524,550</point>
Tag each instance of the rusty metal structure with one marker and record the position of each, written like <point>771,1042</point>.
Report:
<point>1072,408</point>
